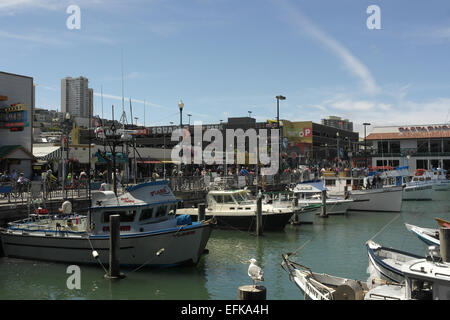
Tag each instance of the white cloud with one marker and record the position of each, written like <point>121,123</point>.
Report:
<point>353,64</point>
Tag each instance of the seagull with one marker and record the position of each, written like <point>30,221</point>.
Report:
<point>255,272</point>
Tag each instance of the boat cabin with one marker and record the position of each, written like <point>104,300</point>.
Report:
<point>144,207</point>
<point>230,200</point>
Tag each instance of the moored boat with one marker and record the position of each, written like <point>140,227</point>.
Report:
<point>236,209</point>
<point>388,262</point>
<point>150,232</point>
<point>321,286</point>
<point>427,235</point>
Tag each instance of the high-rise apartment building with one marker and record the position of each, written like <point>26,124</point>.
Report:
<point>337,122</point>
<point>76,97</point>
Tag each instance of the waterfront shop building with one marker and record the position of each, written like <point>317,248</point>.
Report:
<point>302,143</point>
<point>416,146</point>
<point>16,122</point>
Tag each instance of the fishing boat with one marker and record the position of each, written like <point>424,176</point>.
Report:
<point>321,286</point>
<point>310,194</point>
<point>436,177</point>
<point>150,232</point>
<point>237,209</point>
<point>425,279</point>
<point>388,262</point>
<point>427,235</point>
<point>303,213</point>
<point>365,196</point>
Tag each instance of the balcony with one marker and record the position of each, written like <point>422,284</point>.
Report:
<point>412,152</point>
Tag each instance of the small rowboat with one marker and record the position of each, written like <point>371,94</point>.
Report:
<point>427,235</point>
<point>388,262</point>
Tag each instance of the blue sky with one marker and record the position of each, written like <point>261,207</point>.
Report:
<point>227,57</point>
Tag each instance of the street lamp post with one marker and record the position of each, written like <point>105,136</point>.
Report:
<point>66,162</point>
<point>365,124</point>
<point>181,105</point>
<point>337,146</point>
<point>279,97</point>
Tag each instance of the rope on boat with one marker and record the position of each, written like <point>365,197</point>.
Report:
<point>382,229</point>
<point>98,258</point>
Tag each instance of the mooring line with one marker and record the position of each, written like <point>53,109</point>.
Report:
<point>395,218</point>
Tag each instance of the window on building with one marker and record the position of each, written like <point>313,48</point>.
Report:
<point>422,146</point>
<point>421,164</point>
<point>395,146</point>
<point>434,163</point>
<point>435,145</point>
<point>382,147</point>
<point>446,146</point>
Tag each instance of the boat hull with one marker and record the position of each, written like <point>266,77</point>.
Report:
<point>383,199</point>
<point>246,222</point>
<point>388,262</point>
<point>424,192</point>
<point>181,246</point>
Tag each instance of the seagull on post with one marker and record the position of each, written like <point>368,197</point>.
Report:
<point>255,272</point>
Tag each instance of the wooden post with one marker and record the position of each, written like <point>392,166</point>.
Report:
<point>114,248</point>
<point>248,292</point>
<point>324,204</point>
<point>201,212</point>
<point>295,205</point>
<point>259,215</point>
<point>345,192</point>
<point>444,238</point>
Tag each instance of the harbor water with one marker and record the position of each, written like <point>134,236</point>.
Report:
<point>333,245</point>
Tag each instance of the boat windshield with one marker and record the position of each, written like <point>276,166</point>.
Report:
<point>242,197</point>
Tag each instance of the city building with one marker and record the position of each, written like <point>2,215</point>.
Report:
<point>338,122</point>
<point>302,142</point>
<point>76,97</point>
<point>417,146</point>
<point>16,123</point>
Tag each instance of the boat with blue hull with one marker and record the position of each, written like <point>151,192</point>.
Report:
<point>429,236</point>
<point>150,232</point>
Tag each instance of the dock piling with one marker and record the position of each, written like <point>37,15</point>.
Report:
<point>249,292</point>
<point>114,248</point>
<point>201,211</point>
<point>259,215</point>
<point>323,213</point>
<point>444,238</point>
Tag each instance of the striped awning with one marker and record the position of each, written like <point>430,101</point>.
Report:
<point>47,153</point>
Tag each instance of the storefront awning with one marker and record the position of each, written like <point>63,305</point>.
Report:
<point>47,153</point>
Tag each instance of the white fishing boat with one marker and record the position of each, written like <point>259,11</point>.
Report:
<point>236,209</point>
<point>436,177</point>
<point>388,262</point>
<point>303,213</point>
<point>425,279</point>
<point>310,195</point>
<point>321,286</point>
<point>367,197</point>
<point>428,235</point>
<point>150,232</point>
<point>400,176</point>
